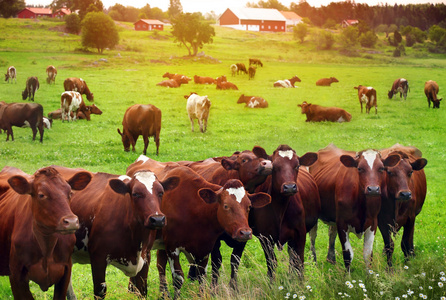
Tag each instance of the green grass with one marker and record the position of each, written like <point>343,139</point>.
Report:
<point>131,77</point>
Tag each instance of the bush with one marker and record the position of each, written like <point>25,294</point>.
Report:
<point>300,31</point>
<point>325,40</point>
<point>73,23</point>
<point>99,31</point>
<point>349,37</point>
<point>410,40</point>
<point>396,52</point>
<point>368,39</point>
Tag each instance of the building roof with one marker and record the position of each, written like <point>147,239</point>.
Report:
<point>266,14</point>
<point>65,11</point>
<point>150,22</point>
<point>291,15</point>
<point>40,10</point>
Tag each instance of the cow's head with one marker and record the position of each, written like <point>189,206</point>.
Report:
<point>390,94</point>
<point>241,99</point>
<point>25,94</point>
<point>370,169</point>
<point>305,107</point>
<point>146,192</point>
<point>125,140</point>
<point>295,79</point>
<point>6,77</point>
<point>399,176</point>
<point>51,196</point>
<point>95,110</point>
<point>333,79</point>
<point>234,204</point>
<point>436,102</point>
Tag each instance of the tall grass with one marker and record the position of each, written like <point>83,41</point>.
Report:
<point>130,75</point>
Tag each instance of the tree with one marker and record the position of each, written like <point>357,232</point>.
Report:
<point>9,8</point>
<point>99,31</point>
<point>73,23</point>
<point>324,40</point>
<point>300,31</point>
<point>82,6</point>
<point>349,37</point>
<point>368,39</point>
<point>175,8</point>
<point>189,31</point>
<point>268,4</point>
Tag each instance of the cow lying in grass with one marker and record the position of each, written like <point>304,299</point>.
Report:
<point>317,113</point>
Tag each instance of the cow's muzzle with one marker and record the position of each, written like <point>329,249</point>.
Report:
<point>289,189</point>
<point>68,224</point>
<point>155,222</point>
<point>404,196</point>
<point>243,235</point>
<point>373,190</point>
<point>266,168</point>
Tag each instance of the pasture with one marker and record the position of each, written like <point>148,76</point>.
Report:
<point>129,75</point>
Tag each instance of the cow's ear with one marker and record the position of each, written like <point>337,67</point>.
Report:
<point>79,181</point>
<point>259,200</point>
<point>170,183</point>
<point>20,184</point>
<point>419,164</point>
<point>260,152</point>
<point>119,186</point>
<point>392,160</point>
<point>208,195</point>
<point>348,161</point>
<point>119,131</point>
<point>229,164</point>
<point>308,159</point>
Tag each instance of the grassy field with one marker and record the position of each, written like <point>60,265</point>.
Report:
<point>129,76</point>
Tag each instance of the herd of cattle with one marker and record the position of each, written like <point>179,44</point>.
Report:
<point>59,216</point>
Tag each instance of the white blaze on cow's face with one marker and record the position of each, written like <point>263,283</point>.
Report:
<point>239,193</point>
<point>142,158</point>
<point>370,156</point>
<point>147,179</point>
<point>124,177</point>
<point>286,154</point>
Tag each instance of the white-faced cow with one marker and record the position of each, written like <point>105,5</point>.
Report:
<point>19,115</point>
<point>11,74</point>
<point>367,96</point>
<point>71,102</point>
<point>401,86</point>
<point>78,85</point>
<point>287,83</point>
<point>198,108</point>
<point>32,85</point>
<point>51,72</point>
<point>431,90</point>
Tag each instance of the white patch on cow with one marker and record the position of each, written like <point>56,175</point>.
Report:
<point>253,104</point>
<point>370,156</point>
<point>288,154</point>
<point>46,123</point>
<point>146,178</point>
<point>126,266</point>
<point>341,119</point>
<point>142,158</point>
<point>26,124</point>
<point>369,237</point>
<point>348,246</point>
<point>364,98</point>
<point>239,193</point>
<point>175,276</point>
<point>124,177</point>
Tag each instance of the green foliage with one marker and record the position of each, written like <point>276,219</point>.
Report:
<point>191,32</point>
<point>410,40</point>
<point>73,23</point>
<point>300,31</point>
<point>324,40</point>
<point>268,4</point>
<point>330,24</point>
<point>436,33</point>
<point>175,9</point>
<point>99,31</point>
<point>368,39</point>
<point>349,37</point>
<point>9,8</point>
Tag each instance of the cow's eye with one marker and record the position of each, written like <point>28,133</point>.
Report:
<point>244,160</point>
<point>226,207</point>
<point>360,170</point>
<point>410,174</point>
<point>41,196</point>
<point>160,194</point>
<point>136,195</point>
<point>381,170</point>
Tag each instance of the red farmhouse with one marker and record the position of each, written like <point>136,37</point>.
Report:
<point>146,24</point>
<point>38,12</point>
<point>254,19</point>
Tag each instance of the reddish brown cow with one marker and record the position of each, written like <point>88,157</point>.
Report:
<point>20,114</point>
<point>225,85</point>
<point>367,96</point>
<point>140,119</point>
<point>51,73</point>
<point>406,191</point>
<point>36,229</point>
<point>252,101</point>
<point>251,72</point>
<point>317,113</point>
<point>326,81</point>
<point>431,90</point>
<point>119,216</point>
<point>401,86</point>
<point>32,85</point>
<point>255,61</point>
<point>78,85</point>
<point>175,82</point>
<point>241,68</point>
<point>203,80</point>
<point>350,187</point>
<point>194,225</point>
<point>178,77</point>
<point>90,109</point>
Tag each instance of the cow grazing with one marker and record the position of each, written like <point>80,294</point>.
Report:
<point>198,212</point>
<point>78,85</point>
<point>71,102</point>
<point>203,80</point>
<point>287,83</point>
<point>32,85</point>
<point>367,96</point>
<point>37,229</point>
<point>225,85</point>
<point>233,69</point>
<point>140,119</point>
<point>350,188</point>
<point>118,218</point>
<point>11,74</point>
<point>198,108</point>
<point>241,68</point>
<point>317,113</point>
<point>255,61</point>
<point>406,192</point>
<point>252,101</point>
<point>20,114</point>
<point>326,81</point>
<point>51,72</point>
<point>401,86</point>
<point>431,90</point>
<point>251,72</point>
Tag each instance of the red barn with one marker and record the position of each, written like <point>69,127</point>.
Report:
<point>148,25</point>
<point>39,12</point>
<point>254,19</point>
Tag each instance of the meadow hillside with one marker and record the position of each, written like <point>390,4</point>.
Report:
<point>128,75</point>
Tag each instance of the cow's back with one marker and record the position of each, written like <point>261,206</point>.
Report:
<point>142,119</point>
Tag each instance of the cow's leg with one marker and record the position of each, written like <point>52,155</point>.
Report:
<point>157,143</point>
<point>138,283</point>
<point>161,257</point>
<point>407,239</point>
<point>145,138</point>
<point>271,260</point>
<point>20,287</point>
<point>200,122</point>
<point>332,233</point>
<point>205,124</point>
<point>192,123</point>
<point>98,266</point>
<point>313,235</point>
<point>60,288</point>
<point>177,272</point>
<point>201,268</point>
<point>133,139</point>
<point>347,250</point>
<point>296,249</point>
<point>70,292</point>
<point>385,228</point>
<point>34,129</point>
<point>361,107</point>
<point>216,260</point>
<point>41,130</point>
<point>369,237</point>
<point>376,109</point>
<point>8,133</point>
<point>235,263</point>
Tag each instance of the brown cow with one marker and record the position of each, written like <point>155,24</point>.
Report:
<point>90,109</point>
<point>11,73</point>
<point>252,101</point>
<point>401,86</point>
<point>140,119</point>
<point>51,73</point>
<point>225,85</point>
<point>317,113</point>
<point>37,229</point>
<point>367,96</point>
<point>194,225</point>
<point>179,77</point>
<point>255,61</point>
<point>32,85</point>
<point>241,68</point>
<point>406,192</point>
<point>173,83</point>
<point>78,85</point>
<point>72,102</point>
<point>287,83</point>
<point>431,90</point>
<point>20,114</point>
<point>198,108</point>
<point>326,81</point>
<point>203,80</point>
<point>251,72</point>
<point>119,216</point>
<point>350,187</point>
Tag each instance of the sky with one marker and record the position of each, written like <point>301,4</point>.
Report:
<point>219,6</point>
